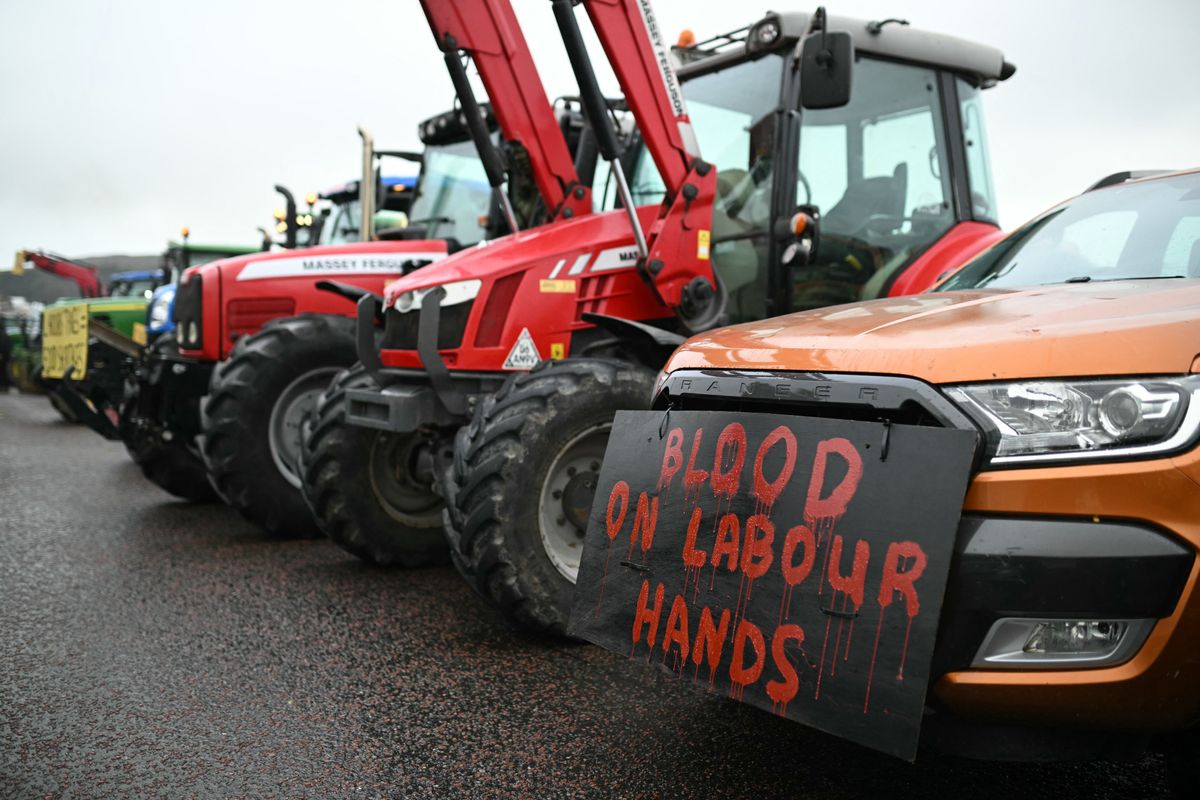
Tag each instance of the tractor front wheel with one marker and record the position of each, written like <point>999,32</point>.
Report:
<point>520,488</point>
<point>369,490</point>
<point>252,416</point>
<point>173,465</point>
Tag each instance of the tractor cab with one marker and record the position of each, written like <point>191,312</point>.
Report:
<point>450,199</point>
<point>896,179</point>
<point>138,284</point>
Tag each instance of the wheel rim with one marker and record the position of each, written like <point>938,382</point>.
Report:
<point>566,498</point>
<point>393,461</point>
<point>291,407</point>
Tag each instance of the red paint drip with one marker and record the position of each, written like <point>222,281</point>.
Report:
<point>838,642</point>
<point>904,652</point>
<point>874,652</point>
<point>821,670</point>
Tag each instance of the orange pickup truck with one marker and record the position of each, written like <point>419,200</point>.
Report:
<point>1070,619</point>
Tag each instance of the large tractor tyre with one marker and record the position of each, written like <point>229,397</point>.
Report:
<point>252,415</point>
<point>520,486</point>
<point>364,486</point>
<point>172,465</point>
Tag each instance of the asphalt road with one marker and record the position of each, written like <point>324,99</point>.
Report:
<point>150,648</point>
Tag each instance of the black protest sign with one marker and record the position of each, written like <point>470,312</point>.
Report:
<point>793,563</point>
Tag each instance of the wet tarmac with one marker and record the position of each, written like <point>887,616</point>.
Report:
<point>150,648</point>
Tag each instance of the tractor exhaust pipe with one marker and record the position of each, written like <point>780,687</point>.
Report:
<point>366,187</point>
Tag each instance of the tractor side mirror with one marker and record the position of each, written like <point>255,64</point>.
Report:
<point>826,69</point>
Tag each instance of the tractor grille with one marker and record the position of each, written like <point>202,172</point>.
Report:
<point>400,329</point>
<point>189,317</point>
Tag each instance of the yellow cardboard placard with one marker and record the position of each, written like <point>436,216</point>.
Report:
<point>65,340</point>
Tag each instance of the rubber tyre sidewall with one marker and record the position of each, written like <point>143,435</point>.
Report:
<point>504,557</point>
<point>236,416</point>
<point>335,475</point>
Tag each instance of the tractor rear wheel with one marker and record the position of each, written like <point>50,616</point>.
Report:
<point>520,487</point>
<point>365,486</point>
<point>173,465</point>
<point>251,417</point>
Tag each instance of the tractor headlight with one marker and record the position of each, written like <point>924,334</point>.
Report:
<point>456,292</point>
<point>1084,420</point>
<point>160,309</point>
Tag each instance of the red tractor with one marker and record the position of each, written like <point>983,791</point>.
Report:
<point>512,359</point>
<point>237,308</point>
<point>260,337</point>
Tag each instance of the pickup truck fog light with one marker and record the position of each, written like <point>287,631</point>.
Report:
<point>1020,643</point>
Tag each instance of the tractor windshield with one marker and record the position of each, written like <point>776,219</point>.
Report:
<point>877,170</point>
<point>1141,230</point>
<point>142,289</point>
<point>453,196</point>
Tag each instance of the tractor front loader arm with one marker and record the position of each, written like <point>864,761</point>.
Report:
<point>676,251</point>
<point>488,32</point>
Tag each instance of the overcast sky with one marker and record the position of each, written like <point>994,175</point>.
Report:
<point>122,121</point>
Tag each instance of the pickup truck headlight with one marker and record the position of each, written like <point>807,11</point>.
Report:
<point>160,309</point>
<point>1084,420</point>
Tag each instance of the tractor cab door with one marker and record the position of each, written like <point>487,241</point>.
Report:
<point>881,172</point>
<point>733,113</point>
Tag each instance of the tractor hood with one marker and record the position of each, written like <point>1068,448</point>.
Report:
<point>1136,327</point>
<point>324,261</point>
<point>542,246</point>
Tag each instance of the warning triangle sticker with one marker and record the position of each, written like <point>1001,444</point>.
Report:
<point>524,354</point>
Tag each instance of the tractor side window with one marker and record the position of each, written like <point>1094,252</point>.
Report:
<point>979,169</point>
<point>453,195</point>
<point>343,227</point>
<point>731,115</point>
<point>878,171</point>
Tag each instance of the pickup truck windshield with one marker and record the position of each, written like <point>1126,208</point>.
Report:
<point>1138,230</point>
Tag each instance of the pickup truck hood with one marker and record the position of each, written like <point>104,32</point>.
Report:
<point>1106,328</point>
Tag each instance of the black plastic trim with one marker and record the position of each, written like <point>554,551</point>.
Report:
<point>1054,567</point>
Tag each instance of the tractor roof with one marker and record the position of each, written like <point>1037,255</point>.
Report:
<point>895,39</point>
<point>137,275</point>
<point>221,249</point>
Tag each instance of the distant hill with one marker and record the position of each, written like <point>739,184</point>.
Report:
<point>42,287</point>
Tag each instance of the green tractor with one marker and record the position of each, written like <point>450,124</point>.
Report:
<point>20,358</point>
<point>87,343</point>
